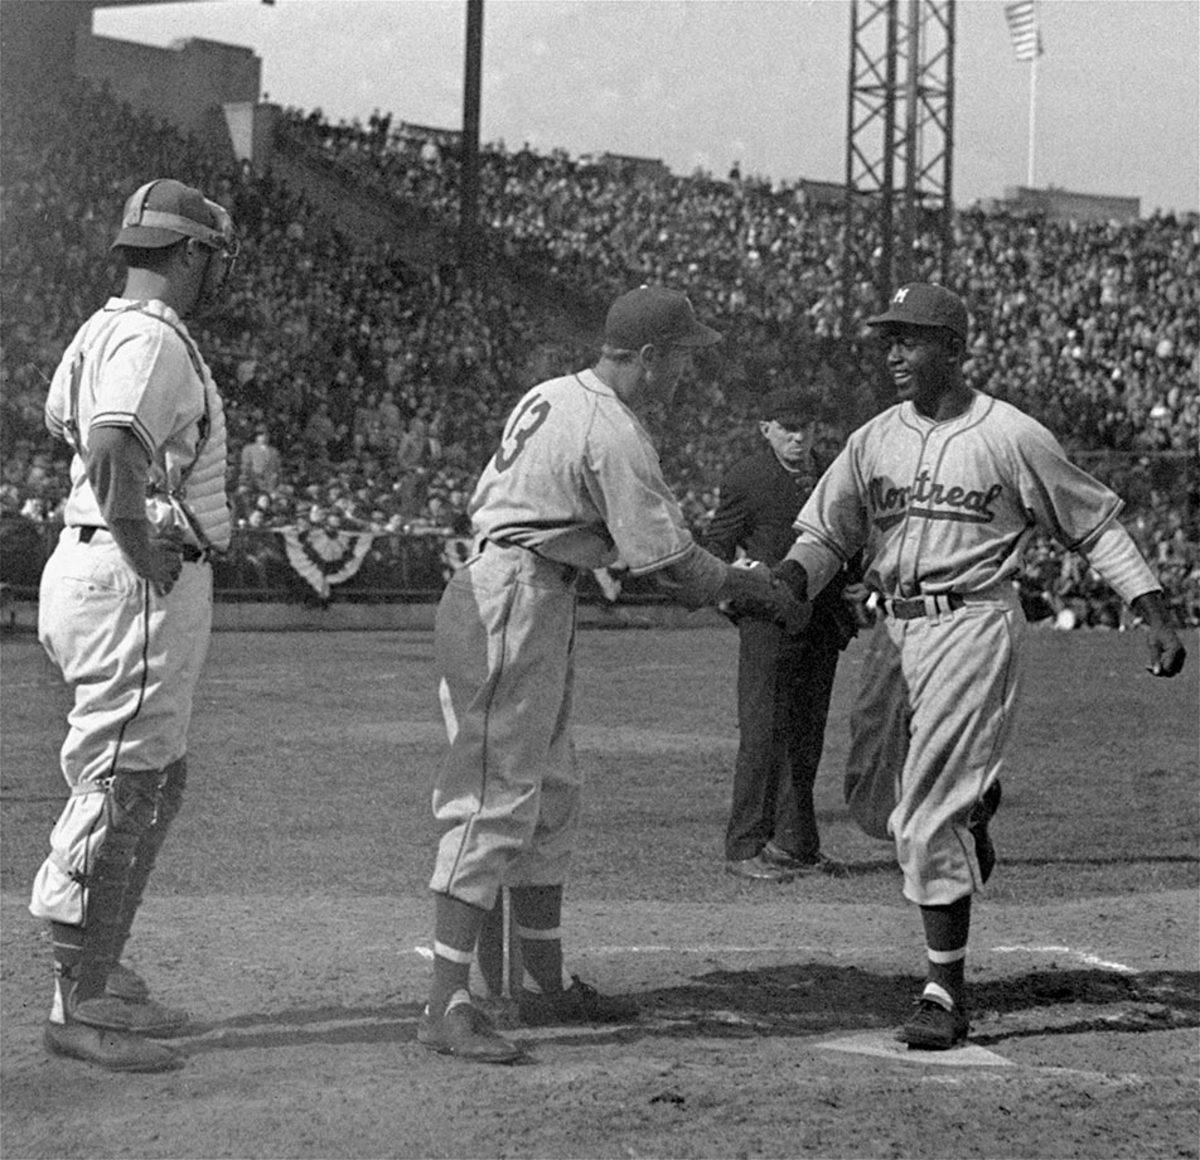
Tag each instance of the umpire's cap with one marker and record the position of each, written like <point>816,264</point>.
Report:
<point>924,304</point>
<point>658,316</point>
<point>793,405</point>
<point>164,211</point>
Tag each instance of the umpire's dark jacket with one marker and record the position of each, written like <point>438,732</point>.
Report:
<point>760,500</point>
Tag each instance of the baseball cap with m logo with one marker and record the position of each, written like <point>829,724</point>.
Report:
<point>925,304</point>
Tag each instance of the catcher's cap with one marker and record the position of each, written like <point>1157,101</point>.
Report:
<point>163,211</point>
<point>924,304</point>
<point>792,405</point>
<point>654,314</point>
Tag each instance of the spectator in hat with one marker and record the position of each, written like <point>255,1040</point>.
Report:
<point>784,680</point>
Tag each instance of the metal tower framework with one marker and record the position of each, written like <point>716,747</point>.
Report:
<point>899,149</point>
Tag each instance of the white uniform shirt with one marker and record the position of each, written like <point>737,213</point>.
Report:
<point>576,478</point>
<point>140,372</point>
<point>949,506</point>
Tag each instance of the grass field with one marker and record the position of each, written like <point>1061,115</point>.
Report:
<point>291,896</point>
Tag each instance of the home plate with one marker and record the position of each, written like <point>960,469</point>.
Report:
<point>884,1045</point>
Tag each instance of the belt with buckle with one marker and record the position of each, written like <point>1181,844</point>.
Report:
<point>914,607</point>
<point>190,553</point>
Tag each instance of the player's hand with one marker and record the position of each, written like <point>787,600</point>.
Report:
<point>793,614</point>
<point>157,557</point>
<point>1166,649</point>
<point>756,592</point>
<point>859,598</point>
<point>776,604</point>
<point>1167,653</point>
<point>164,563</point>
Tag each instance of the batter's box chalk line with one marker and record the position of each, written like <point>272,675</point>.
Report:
<point>884,1045</point>
<point>426,952</point>
<point>1084,957</point>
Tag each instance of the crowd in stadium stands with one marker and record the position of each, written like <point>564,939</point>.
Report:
<point>364,394</point>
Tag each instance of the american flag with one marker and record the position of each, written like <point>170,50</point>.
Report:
<point>1023,27</point>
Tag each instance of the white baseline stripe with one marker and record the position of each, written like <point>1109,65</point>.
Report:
<point>1080,956</point>
<point>711,949</point>
<point>1091,960</point>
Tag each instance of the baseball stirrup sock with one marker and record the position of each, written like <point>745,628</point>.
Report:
<point>67,943</point>
<point>542,958</point>
<point>939,995</point>
<point>537,911</point>
<point>451,974</point>
<point>945,974</point>
<point>455,933</point>
<point>464,958</point>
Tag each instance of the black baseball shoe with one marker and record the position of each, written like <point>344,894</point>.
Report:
<point>111,1050</point>
<point>758,869</point>
<point>933,1028</point>
<point>777,856</point>
<point>578,1003</point>
<point>125,983</point>
<point>108,1013</point>
<point>464,1031</point>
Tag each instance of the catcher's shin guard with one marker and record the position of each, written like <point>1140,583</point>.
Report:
<point>85,955</point>
<point>171,783</point>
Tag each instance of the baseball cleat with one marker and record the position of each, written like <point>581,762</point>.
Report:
<point>827,866</point>
<point>111,1014</point>
<point>108,1049</point>
<point>463,1030</point>
<point>758,869</point>
<point>578,1003</point>
<point>934,1028</point>
<point>125,983</point>
<point>500,1009</point>
<point>774,855</point>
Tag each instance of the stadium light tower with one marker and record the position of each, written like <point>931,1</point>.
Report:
<point>899,148</point>
<point>468,210</point>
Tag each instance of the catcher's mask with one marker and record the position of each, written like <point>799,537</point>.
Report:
<point>161,212</point>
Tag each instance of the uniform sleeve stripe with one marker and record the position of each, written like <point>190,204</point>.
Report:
<point>131,423</point>
<point>1096,532</point>
<point>822,537</point>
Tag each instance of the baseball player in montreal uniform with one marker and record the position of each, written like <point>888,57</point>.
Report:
<point>574,484</point>
<point>125,610</point>
<point>942,492</point>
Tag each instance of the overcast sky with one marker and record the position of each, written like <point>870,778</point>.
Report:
<point>710,82</point>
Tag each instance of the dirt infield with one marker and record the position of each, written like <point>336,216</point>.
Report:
<point>289,917</point>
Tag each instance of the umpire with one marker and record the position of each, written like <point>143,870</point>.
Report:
<point>784,681</point>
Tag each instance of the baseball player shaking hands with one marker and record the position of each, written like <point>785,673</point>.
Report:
<point>125,609</point>
<point>942,492</point>
<point>574,484</point>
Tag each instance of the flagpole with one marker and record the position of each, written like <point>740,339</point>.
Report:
<point>1032,116</point>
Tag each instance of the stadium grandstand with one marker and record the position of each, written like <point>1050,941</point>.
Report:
<point>381,372</point>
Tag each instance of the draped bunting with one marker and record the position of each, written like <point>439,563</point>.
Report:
<point>323,558</point>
